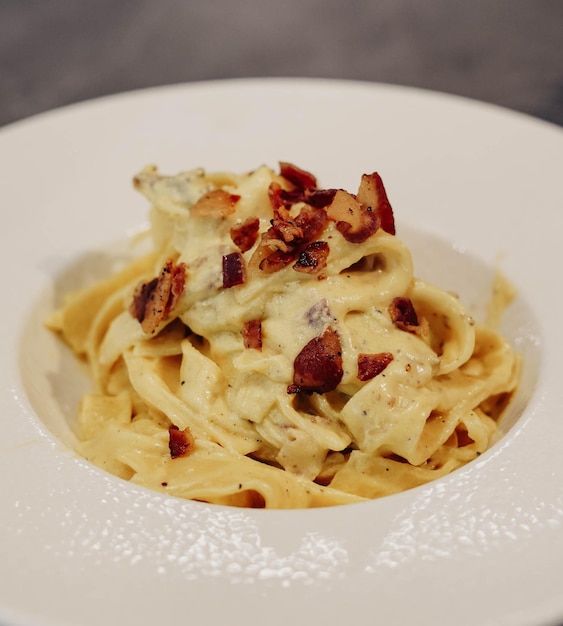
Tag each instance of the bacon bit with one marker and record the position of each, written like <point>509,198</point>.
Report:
<point>141,298</point>
<point>317,198</point>
<point>320,198</point>
<point>313,258</point>
<point>244,235</point>
<point>216,203</point>
<point>298,177</point>
<point>234,270</point>
<point>291,197</point>
<point>287,237</point>
<point>354,220</point>
<point>370,365</point>
<point>252,334</point>
<point>288,233</point>
<point>372,194</point>
<point>180,442</point>
<point>318,367</point>
<point>283,226</point>
<point>154,300</point>
<point>403,314</point>
<point>275,196</point>
<point>312,222</point>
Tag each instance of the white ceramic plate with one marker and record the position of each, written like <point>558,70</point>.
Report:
<point>472,186</point>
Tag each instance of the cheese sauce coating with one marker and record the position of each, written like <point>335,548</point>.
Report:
<point>275,349</point>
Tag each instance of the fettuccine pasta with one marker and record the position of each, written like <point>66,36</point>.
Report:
<point>274,349</point>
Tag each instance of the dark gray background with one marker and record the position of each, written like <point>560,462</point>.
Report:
<point>507,52</point>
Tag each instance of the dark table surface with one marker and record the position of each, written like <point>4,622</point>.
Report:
<point>506,52</point>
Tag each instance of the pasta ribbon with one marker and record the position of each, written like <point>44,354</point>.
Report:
<point>275,349</point>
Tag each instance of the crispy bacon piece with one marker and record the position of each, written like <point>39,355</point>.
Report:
<point>180,442</point>
<point>298,177</point>
<point>356,221</point>
<point>403,314</point>
<point>283,225</point>
<point>372,194</point>
<point>252,334</point>
<point>154,300</point>
<point>234,270</point>
<point>304,227</point>
<point>288,236</point>
<point>244,235</point>
<point>317,198</point>
<point>275,197</point>
<point>312,222</point>
<point>318,367</point>
<point>305,187</point>
<point>313,258</point>
<point>370,365</point>
<point>216,203</point>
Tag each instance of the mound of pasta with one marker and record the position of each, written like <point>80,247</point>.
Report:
<point>274,349</point>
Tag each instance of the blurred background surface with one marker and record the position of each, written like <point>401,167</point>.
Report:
<point>56,52</point>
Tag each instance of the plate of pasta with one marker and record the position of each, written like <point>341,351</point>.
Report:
<point>283,350</point>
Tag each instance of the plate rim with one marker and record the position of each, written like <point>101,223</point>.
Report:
<point>109,100</point>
